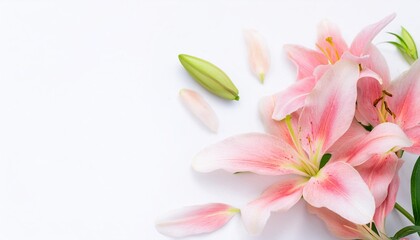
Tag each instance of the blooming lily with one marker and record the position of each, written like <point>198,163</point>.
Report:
<point>298,149</point>
<point>311,64</point>
<point>397,103</point>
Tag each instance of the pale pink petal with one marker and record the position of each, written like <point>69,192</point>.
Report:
<point>329,108</point>
<point>337,225</point>
<point>406,97</point>
<point>200,108</point>
<point>330,42</point>
<point>378,173</point>
<point>279,197</point>
<point>414,135</point>
<point>369,91</point>
<point>340,188</point>
<point>306,60</point>
<point>387,206</point>
<point>363,39</point>
<point>259,58</point>
<point>377,63</point>
<point>292,98</point>
<point>253,152</point>
<point>273,127</point>
<point>351,137</point>
<point>384,138</point>
<point>195,220</point>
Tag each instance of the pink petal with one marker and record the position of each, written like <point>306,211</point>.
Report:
<point>200,108</point>
<point>329,108</point>
<point>362,40</point>
<point>306,60</point>
<point>414,135</point>
<point>406,97</point>
<point>337,225</point>
<point>377,64</point>
<point>384,138</point>
<point>330,41</point>
<point>259,58</point>
<point>387,206</point>
<point>351,137</point>
<point>378,173</point>
<point>195,220</point>
<point>253,152</point>
<point>279,197</point>
<point>369,90</point>
<point>273,127</point>
<point>340,188</point>
<point>293,98</point>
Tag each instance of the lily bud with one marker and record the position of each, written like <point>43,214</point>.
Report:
<point>209,76</point>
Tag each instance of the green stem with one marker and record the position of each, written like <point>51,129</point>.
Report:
<point>404,212</point>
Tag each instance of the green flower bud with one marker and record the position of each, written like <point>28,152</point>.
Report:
<point>209,76</point>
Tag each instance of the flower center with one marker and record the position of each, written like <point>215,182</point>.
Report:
<point>305,165</point>
<point>384,111</point>
<point>330,50</point>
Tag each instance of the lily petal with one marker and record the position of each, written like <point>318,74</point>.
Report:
<point>369,91</point>
<point>362,40</point>
<point>378,173</point>
<point>259,58</point>
<point>340,188</point>
<point>384,138</point>
<point>293,98</point>
<point>253,152</point>
<point>273,127</point>
<point>306,60</point>
<point>414,135</point>
<point>279,197</point>
<point>330,42</point>
<point>387,206</point>
<point>200,108</point>
<point>351,137</point>
<point>377,64</point>
<point>195,220</point>
<point>406,97</point>
<point>337,225</point>
<point>329,108</point>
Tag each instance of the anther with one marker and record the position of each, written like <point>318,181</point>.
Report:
<point>387,93</point>
<point>377,101</point>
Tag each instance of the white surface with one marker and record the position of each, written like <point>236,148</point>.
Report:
<point>94,142</point>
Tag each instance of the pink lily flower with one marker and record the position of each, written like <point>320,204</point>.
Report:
<point>379,170</point>
<point>297,151</point>
<point>311,64</point>
<point>344,229</point>
<point>396,103</point>
<point>195,220</point>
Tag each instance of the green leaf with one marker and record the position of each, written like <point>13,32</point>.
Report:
<point>405,232</point>
<point>405,45</point>
<point>324,160</point>
<point>209,76</point>
<point>402,42</point>
<point>415,192</point>
<point>409,42</point>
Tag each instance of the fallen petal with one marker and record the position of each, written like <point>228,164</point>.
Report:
<point>259,58</point>
<point>195,220</point>
<point>200,108</point>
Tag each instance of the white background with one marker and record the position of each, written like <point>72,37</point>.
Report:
<point>94,141</point>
